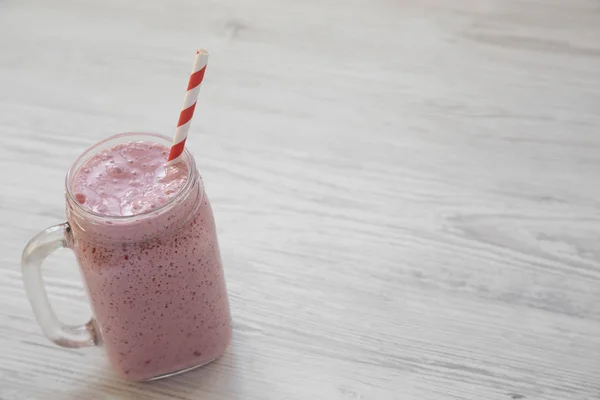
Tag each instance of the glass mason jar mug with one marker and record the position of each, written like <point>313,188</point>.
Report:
<point>155,279</point>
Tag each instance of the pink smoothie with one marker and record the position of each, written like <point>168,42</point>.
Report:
<point>155,279</point>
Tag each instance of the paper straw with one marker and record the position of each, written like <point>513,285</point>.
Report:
<point>189,104</point>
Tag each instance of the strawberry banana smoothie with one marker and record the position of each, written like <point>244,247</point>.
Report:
<point>152,268</point>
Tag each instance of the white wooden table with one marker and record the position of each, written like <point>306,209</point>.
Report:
<point>407,191</point>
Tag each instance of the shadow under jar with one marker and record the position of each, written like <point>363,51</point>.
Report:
<point>155,280</point>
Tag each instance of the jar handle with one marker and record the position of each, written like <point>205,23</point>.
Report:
<point>34,254</point>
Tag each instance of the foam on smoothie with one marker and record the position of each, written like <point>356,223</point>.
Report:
<point>128,179</point>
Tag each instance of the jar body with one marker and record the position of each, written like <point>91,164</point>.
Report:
<point>155,283</point>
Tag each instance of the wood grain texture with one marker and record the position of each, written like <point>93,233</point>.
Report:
<point>406,191</point>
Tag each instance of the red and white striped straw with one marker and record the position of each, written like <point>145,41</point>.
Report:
<point>189,104</point>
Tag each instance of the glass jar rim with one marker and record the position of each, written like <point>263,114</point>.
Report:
<point>93,150</point>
